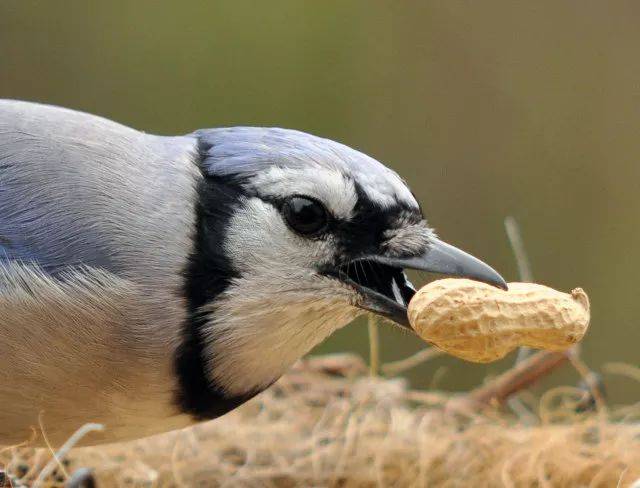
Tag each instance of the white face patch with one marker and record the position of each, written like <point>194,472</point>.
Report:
<point>279,309</point>
<point>329,186</point>
<point>258,330</point>
<point>258,238</point>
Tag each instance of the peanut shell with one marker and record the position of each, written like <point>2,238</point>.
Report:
<point>481,323</point>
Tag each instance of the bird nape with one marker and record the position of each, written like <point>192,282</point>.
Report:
<point>148,282</point>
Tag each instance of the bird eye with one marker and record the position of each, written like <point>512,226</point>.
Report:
<point>305,215</point>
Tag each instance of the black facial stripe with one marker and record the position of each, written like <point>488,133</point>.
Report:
<point>363,234</point>
<point>207,274</point>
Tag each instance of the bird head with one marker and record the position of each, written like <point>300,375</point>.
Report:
<point>298,235</point>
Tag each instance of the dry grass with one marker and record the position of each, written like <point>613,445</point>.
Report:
<point>328,424</point>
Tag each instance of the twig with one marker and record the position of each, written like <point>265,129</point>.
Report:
<point>623,369</point>
<point>82,478</point>
<point>517,246</point>
<point>374,346</point>
<point>64,450</point>
<point>588,377</point>
<point>521,376</point>
<point>49,446</point>
<point>525,274</point>
<point>397,367</point>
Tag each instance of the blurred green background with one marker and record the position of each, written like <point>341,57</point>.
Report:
<point>488,109</point>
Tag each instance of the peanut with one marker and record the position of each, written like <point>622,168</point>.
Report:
<point>481,323</point>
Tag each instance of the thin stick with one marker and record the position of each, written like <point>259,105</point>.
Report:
<point>64,450</point>
<point>374,346</point>
<point>49,446</point>
<point>81,478</point>
<point>423,355</point>
<point>623,369</point>
<point>525,274</point>
<point>521,376</point>
<point>587,376</point>
<point>517,246</point>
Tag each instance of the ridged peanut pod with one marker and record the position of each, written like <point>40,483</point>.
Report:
<point>481,323</point>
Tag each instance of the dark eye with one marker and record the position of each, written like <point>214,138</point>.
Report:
<point>305,215</point>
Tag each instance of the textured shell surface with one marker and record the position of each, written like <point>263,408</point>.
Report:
<point>481,323</point>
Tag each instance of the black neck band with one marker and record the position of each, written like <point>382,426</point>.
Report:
<point>207,275</point>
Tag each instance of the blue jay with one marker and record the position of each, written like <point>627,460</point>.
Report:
<point>150,282</point>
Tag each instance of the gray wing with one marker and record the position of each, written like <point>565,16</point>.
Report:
<point>80,190</point>
<point>76,189</point>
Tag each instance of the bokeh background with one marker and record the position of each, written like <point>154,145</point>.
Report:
<point>488,109</point>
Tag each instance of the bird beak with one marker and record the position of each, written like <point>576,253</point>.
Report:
<point>385,289</point>
<point>445,259</point>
